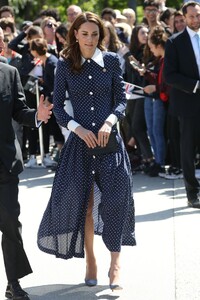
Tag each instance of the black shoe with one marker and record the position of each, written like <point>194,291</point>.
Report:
<point>15,292</point>
<point>194,203</point>
<point>155,170</point>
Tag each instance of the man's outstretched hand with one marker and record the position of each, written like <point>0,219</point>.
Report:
<point>44,112</point>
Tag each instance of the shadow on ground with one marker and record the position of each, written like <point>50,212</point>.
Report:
<point>71,292</point>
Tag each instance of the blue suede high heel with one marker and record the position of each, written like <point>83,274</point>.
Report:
<point>114,287</point>
<point>90,282</point>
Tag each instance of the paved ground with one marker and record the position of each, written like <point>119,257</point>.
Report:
<point>165,264</point>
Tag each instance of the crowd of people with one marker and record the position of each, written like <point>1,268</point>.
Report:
<point>131,78</point>
<point>148,128</point>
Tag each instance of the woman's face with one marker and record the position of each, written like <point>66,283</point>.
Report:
<point>88,37</point>
<point>60,38</point>
<point>49,31</point>
<point>143,35</point>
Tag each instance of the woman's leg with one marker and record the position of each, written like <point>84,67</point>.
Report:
<point>148,110</point>
<point>159,118</point>
<point>139,130</point>
<point>114,272</point>
<point>91,267</point>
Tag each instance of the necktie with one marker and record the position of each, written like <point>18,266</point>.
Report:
<point>197,37</point>
<point>198,40</point>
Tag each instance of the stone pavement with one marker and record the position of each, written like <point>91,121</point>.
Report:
<point>165,264</point>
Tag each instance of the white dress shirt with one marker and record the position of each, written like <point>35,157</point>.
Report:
<point>196,49</point>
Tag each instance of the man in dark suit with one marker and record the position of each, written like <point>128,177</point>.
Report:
<point>182,72</point>
<point>12,105</point>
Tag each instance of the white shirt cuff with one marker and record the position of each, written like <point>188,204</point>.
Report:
<point>72,125</point>
<point>196,86</point>
<point>37,123</point>
<point>112,119</point>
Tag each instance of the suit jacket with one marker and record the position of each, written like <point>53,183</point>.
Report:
<point>12,105</point>
<point>181,72</point>
<point>3,59</point>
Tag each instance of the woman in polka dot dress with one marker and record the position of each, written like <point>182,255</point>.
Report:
<point>91,193</point>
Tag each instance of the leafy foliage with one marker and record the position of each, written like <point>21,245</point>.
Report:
<point>29,9</point>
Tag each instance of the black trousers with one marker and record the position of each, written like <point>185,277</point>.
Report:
<point>189,142</point>
<point>137,126</point>
<point>15,259</point>
<point>173,132</point>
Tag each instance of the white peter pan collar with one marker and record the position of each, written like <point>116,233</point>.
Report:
<point>97,57</point>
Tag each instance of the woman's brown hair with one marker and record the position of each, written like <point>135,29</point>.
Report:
<point>39,45</point>
<point>159,36</point>
<point>114,44</point>
<point>72,51</point>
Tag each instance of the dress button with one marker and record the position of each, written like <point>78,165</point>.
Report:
<point>88,60</point>
<point>92,108</point>
<point>91,93</point>
<point>93,156</point>
<point>93,124</point>
<point>93,172</point>
<point>90,77</point>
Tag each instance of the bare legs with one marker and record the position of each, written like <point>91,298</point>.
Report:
<point>91,267</point>
<point>114,272</point>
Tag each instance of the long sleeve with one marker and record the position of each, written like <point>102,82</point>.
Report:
<point>48,77</point>
<point>16,44</point>
<point>59,94</point>
<point>119,94</point>
<point>174,70</point>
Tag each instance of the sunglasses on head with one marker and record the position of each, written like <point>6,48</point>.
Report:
<point>50,25</point>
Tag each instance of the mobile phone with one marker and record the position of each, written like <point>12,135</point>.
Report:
<point>135,64</point>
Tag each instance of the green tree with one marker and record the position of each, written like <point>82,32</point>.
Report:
<point>29,9</point>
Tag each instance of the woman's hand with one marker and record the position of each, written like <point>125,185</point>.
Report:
<point>149,89</point>
<point>137,66</point>
<point>104,133</point>
<point>87,135</point>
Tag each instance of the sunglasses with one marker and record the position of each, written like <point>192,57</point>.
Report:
<point>50,25</point>
<point>151,11</point>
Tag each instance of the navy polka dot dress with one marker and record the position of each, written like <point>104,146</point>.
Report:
<point>61,231</point>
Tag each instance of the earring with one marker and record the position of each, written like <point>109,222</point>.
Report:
<point>76,41</point>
